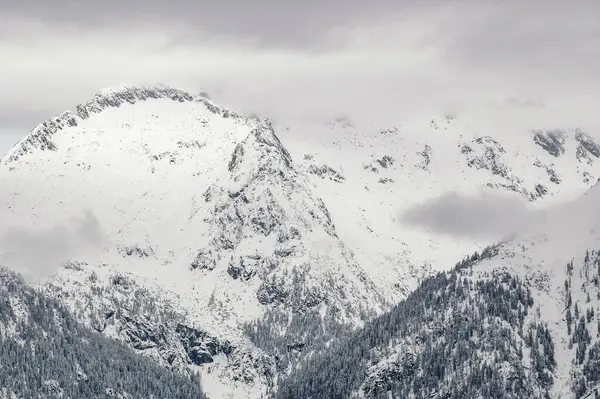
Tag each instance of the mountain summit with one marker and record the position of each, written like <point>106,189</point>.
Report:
<point>236,246</point>
<point>206,217</point>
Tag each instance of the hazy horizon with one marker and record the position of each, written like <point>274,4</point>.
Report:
<point>320,59</point>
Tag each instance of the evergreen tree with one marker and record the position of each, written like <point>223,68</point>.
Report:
<point>48,354</point>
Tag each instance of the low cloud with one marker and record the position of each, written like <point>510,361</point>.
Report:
<point>488,215</point>
<point>386,60</point>
<point>37,254</point>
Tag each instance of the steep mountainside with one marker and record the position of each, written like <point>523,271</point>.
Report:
<point>46,353</point>
<point>201,207</point>
<point>369,175</point>
<point>453,338</point>
<point>519,320</point>
<point>214,245</point>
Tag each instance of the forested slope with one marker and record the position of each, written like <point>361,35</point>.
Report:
<point>454,337</point>
<point>46,353</point>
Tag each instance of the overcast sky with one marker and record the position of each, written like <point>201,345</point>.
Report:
<point>291,58</point>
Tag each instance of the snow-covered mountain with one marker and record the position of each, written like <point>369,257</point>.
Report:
<point>46,353</point>
<point>369,176</point>
<point>231,244</point>
<point>521,319</point>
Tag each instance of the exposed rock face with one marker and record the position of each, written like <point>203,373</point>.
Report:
<point>553,176</point>
<point>255,239</point>
<point>204,260</point>
<point>588,149</point>
<point>178,345</point>
<point>266,199</point>
<point>488,156</point>
<point>136,250</point>
<point>41,136</point>
<point>553,141</point>
<point>487,153</point>
<point>200,347</point>
<point>325,172</point>
<point>425,158</point>
<point>47,353</point>
<point>386,161</point>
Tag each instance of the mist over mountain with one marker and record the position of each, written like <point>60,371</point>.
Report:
<point>299,200</point>
<point>244,250</point>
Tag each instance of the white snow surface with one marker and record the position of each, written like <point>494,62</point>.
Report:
<point>367,205</point>
<point>144,161</point>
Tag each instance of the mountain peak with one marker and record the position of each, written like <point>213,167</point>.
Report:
<point>118,95</point>
<point>40,137</point>
<point>260,151</point>
<point>276,246</point>
<point>107,91</point>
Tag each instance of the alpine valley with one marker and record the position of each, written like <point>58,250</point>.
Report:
<point>273,261</point>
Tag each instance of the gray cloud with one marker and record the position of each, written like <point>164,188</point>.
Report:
<point>384,60</point>
<point>558,232</point>
<point>543,41</point>
<point>488,215</point>
<point>22,114</point>
<point>38,253</point>
<point>262,22</point>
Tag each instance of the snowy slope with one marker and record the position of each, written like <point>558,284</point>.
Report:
<point>225,225</point>
<point>521,319</point>
<point>198,205</point>
<point>369,176</point>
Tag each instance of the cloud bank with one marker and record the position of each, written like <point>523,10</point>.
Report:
<point>37,254</point>
<point>287,59</point>
<point>493,216</point>
<point>488,215</point>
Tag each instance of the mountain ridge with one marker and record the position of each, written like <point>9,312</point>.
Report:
<point>227,261</point>
<point>268,241</point>
<point>40,136</point>
<point>519,319</point>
